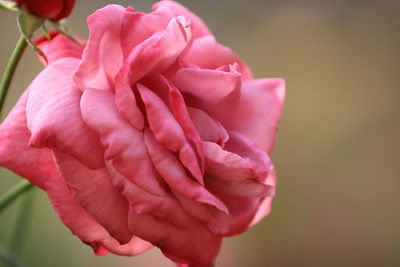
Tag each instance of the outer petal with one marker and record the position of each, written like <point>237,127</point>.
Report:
<point>97,68</point>
<point>58,47</point>
<point>53,115</point>
<point>259,111</point>
<point>84,225</point>
<point>194,244</point>
<point>172,9</point>
<point>265,206</point>
<point>123,144</point>
<point>34,164</point>
<point>207,53</point>
<point>168,131</point>
<point>93,190</point>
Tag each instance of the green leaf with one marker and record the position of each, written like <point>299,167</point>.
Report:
<point>8,5</point>
<point>62,28</point>
<point>28,24</point>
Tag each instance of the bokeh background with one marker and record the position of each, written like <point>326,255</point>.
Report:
<point>337,153</point>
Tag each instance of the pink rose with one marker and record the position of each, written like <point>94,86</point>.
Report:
<point>153,134</point>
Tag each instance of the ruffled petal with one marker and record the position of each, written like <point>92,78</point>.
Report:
<point>54,118</point>
<point>259,111</point>
<point>123,144</point>
<point>156,54</point>
<point>171,9</point>
<point>194,244</point>
<point>82,224</point>
<point>209,129</point>
<point>94,191</point>
<point>204,87</point>
<point>174,174</point>
<point>34,164</point>
<point>207,53</point>
<point>58,47</point>
<point>97,68</point>
<point>168,131</point>
<point>181,114</point>
<point>265,207</point>
<point>240,173</point>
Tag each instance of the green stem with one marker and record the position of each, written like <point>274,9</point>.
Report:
<point>9,258</point>
<point>12,65</point>
<point>23,210</point>
<point>13,193</point>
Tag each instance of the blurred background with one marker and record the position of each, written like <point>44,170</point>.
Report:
<point>337,153</point>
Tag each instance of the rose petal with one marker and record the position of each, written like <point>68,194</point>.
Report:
<point>205,88</point>
<point>265,206</point>
<point>207,53</point>
<point>164,208</point>
<point>227,166</point>
<point>209,129</point>
<point>58,47</point>
<point>53,115</point>
<point>34,164</point>
<point>178,107</point>
<point>84,225</point>
<point>195,244</point>
<point>174,174</point>
<point>97,68</point>
<point>155,54</point>
<point>123,144</point>
<point>168,132</point>
<point>259,111</point>
<point>93,190</point>
<point>172,9</point>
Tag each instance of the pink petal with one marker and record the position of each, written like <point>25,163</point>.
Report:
<point>178,107</point>
<point>259,111</point>
<point>218,222</point>
<point>207,53</point>
<point>227,166</point>
<point>194,244</point>
<point>172,9</point>
<point>265,206</point>
<point>250,163</point>
<point>155,54</point>
<point>34,164</point>
<point>82,224</point>
<point>97,68</point>
<point>167,131</point>
<point>241,211</point>
<point>174,174</point>
<point>58,47</point>
<point>54,118</point>
<point>164,208</point>
<point>89,188</point>
<point>209,129</point>
<point>206,88</point>
<point>123,144</point>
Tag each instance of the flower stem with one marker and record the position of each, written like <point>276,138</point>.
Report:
<point>12,65</point>
<point>8,258</point>
<point>13,193</point>
<point>22,212</point>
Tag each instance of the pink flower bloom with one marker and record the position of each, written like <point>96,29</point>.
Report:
<point>153,134</point>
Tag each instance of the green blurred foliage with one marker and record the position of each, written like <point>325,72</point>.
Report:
<point>337,201</point>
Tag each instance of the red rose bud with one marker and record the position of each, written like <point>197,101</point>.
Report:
<point>51,9</point>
